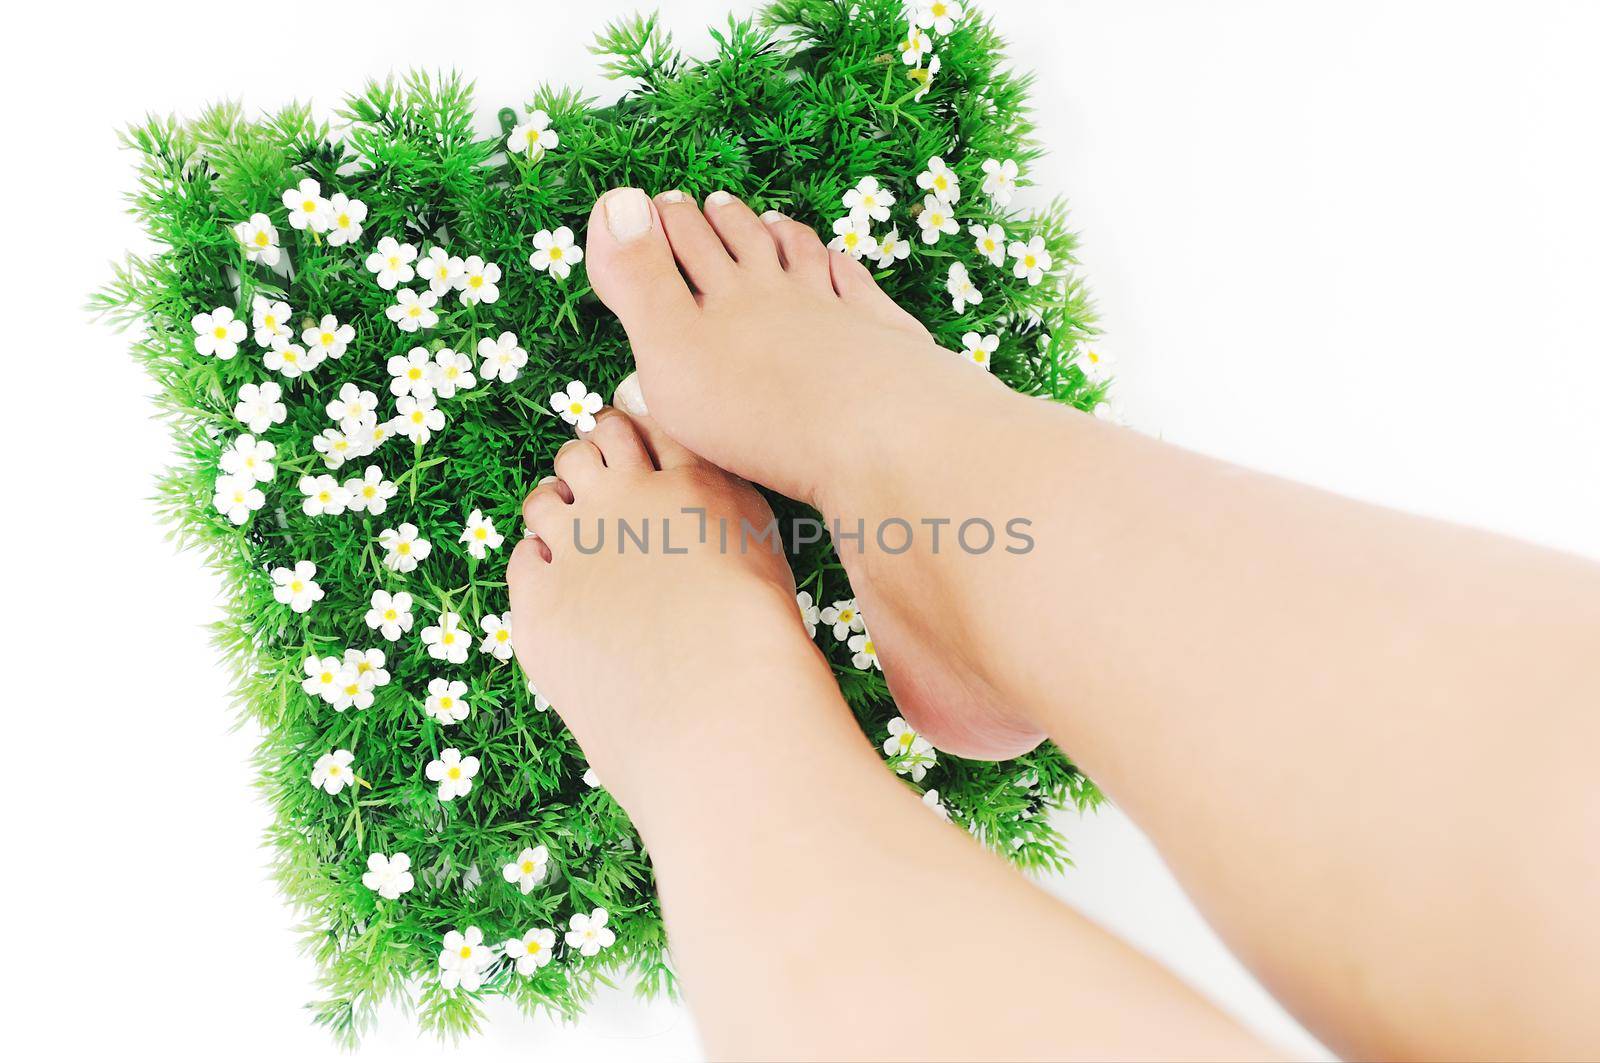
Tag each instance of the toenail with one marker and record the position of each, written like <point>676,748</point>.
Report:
<point>672,196</point>
<point>627,213</point>
<point>773,217</point>
<point>547,480</point>
<point>629,398</point>
<point>718,198</point>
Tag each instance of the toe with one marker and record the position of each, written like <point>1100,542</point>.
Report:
<point>802,252</point>
<point>578,462</point>
<point>665,452</point>
<point>742,233</point>
<point>852,280</point>
<point>855,284</point>
<point>631,266</point>
<point>696,246</point>
<point>544,514</point>
<point>619,444</point>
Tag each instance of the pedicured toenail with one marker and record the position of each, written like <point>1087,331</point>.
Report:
<point>773,217</point>
<point>718,198</point>
<point>672,196</point>
<point>629,398</point>
<point>546,480</point>
<point>627,213</point>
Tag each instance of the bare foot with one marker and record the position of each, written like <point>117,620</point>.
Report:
<point>684,608</point>
<point>776,358</point>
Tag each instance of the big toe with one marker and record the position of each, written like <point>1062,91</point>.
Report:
<point>631,266</point>
<point>665,451</point>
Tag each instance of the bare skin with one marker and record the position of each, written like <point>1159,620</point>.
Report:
<point>1313,706</point>
<point>821,921</point>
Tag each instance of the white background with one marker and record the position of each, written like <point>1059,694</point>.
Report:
<point>1355,243</point>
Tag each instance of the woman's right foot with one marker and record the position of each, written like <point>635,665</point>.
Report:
<point>782,361</point>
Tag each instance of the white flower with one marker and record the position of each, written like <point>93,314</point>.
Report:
<point>441,270</point>
<point>332,771</point>
<point>295,587</point>
<point>350,690</point>
<point>335,445</point>
<point>591,778</point>
<point>809,614</point>
<point>218,333</point>
<point>453,773</point>
<point>962,290</point>
<point>236,497</point>
<point>991,243</point>
<point>1107,411</point>
<point>532,950</point>
<point>891,248</point>
<point>259,406</point>
<point>412,373</point>
<point>390,614</point>
<point>935,219</point>
<point>851,237</point>
<point>845,618</point>
<point>369,493</point>
<point>307,208</point>
<point>368,435</point>
<point>480,281</point>
<point>497,635</point>
<point>937,15</point>
<point>533,137</point>
<point>446,641</point>
<point>924,76</point>
<point>914,46</point>
<point>322,676</point>
<point>1000,180</point>
<point>324,496</point>
<point>1032,260</point>
<point>915,754</point>
<point>260,240</point>
<point>589,933</point>
<point>867,201</point>
<point>368,666</point>
<point>411,311</point>
<point>417,417</point>
<point>345,216</point>
<point>1096,366</point>
<point>451,372</point>
<point>328,338</point>
<point>271,320</point>
<point>250,458</point>
<point>447,701</point>
<point>403,549</point>
<point>939,180</point>
<point>291,360</point>
<point>501,359</point>
<point>528,869</point>
<point>930,799</point>
<point>978,349</point>
<point>555,252</point>
<point>388,876</point>
<point>864,652</point>
<point>577,405</point>
<point>540,702</point>
<point>353,406</point>
<point>479,535</point>
<point>392,263</point>
<point>463,957</point>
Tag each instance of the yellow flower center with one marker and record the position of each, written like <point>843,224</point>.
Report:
<point>414,373</point>
<point>555,254</point>
<point>1028,260</point>
<point>869,648</point>
<point>527,867</point>
<point>262,240</point>
<point>402,548</point>
<point>446,702</point>
<point>327,338</point>
<point>344,221</point>
<point>466,952</point>
<point>502,635</point>
<point>575,407</point>
<point>333,769</point>
<point>415,310</point>
<point>390,614</point>
<point>308,206</point>
<point>221,332</point>
<point>476,281</point>
<point>291,356</point>
<point>296,586</point>
<point>455,773</point>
